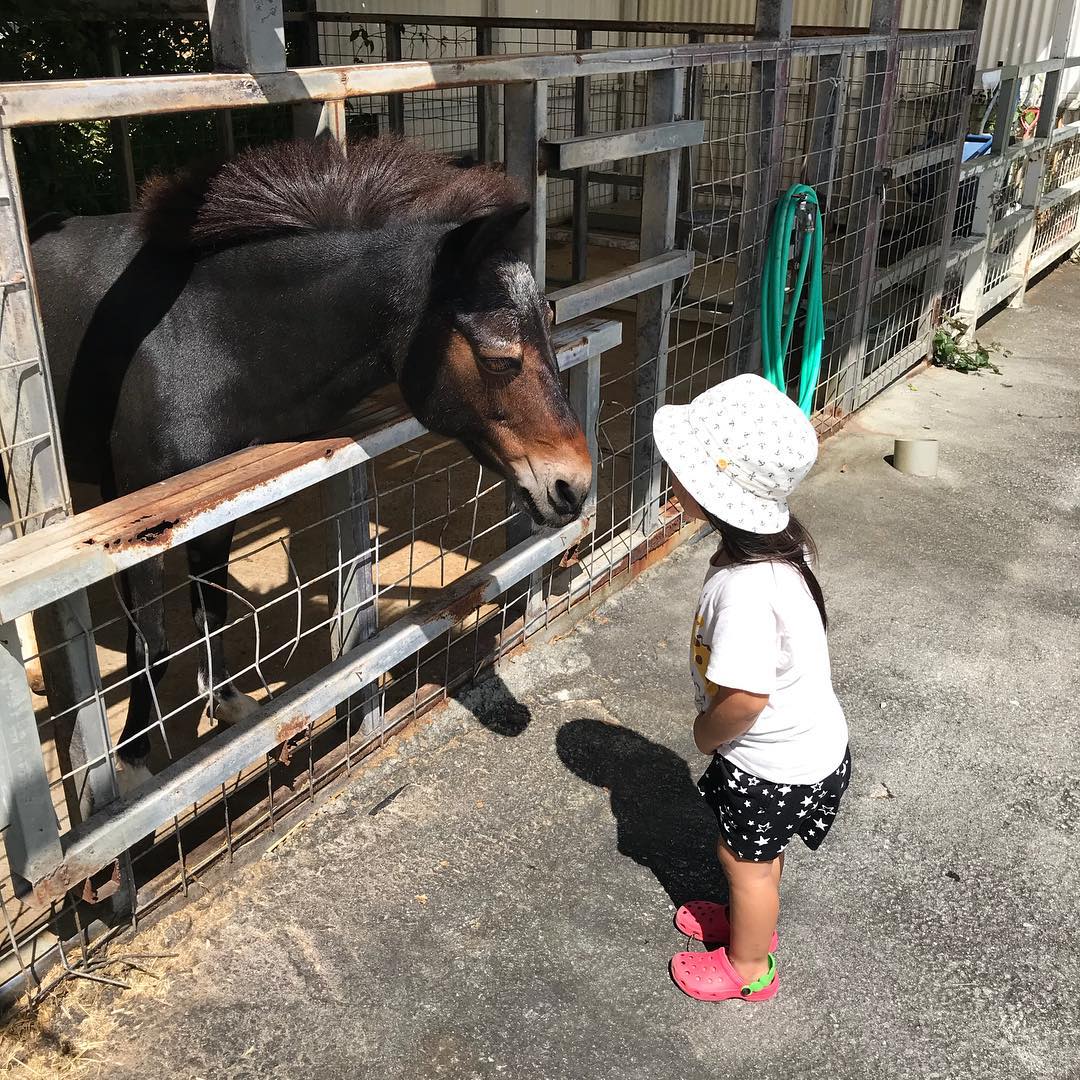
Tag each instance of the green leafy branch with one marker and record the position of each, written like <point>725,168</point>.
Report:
<point>953,351</point>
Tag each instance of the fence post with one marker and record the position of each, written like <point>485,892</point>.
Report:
<point>27,819</point>
<point>659,203</point>
<point>37,486</point>
<point>1034,170</point>
<point>353,600</point>
<point>524,127</point>
<point>121,130</point>
<point>764,148</point>
<point>487,104</point>
<point>395,103</point>
<point>349,547</point>
<point>829,96</point>
<point>975,262</point>
<point>867,198</point>
<point>963,85</point>
<point>247,35</point>
<point>579,222</point>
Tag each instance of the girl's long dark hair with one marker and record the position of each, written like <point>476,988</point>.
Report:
<point>794,545</point>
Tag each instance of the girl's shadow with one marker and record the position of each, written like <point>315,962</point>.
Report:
<point>661,820</point>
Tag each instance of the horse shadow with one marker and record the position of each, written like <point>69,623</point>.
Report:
<point>493,704</point>
<point>661,820</point>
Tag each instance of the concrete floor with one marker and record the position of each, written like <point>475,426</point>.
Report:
<point>495,899</point>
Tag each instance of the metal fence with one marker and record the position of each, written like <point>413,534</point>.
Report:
<point>1018,210</point>
<point>376,571</point>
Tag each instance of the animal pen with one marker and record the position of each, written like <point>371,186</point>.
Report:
<point>379,568</point>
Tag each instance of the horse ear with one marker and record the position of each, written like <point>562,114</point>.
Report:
<point>469,243</point>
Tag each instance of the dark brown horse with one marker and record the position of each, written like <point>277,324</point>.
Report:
<point>261,301</point>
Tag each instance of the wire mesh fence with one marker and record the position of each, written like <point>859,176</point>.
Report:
<point>427,518</point>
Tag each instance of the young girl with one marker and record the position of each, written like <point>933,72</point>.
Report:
<point>760,663</point>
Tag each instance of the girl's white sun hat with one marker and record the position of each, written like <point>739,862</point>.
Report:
<point>740,449</point>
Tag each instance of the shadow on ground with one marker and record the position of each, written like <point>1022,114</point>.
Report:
<point>661,821</point>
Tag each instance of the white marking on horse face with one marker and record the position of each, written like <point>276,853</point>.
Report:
<point>520,285</point>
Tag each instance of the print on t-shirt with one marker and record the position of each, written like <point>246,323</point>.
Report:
<point>701,654</point>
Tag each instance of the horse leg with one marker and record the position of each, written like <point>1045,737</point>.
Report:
<point>208,565</point>
<point>24,625</point>
<point>142,586</point>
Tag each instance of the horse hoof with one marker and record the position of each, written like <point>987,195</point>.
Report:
<point>234,708</point>
<point>36,679</point>
<point>131,776</point>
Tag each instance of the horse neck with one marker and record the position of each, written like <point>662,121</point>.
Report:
<point>359,298</point>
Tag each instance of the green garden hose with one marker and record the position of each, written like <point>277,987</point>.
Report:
<point>777,324</point>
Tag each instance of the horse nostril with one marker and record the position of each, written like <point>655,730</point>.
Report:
<point>566,498</point>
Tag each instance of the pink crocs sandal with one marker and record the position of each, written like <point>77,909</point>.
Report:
<point>709,976</point>
<point>703,920</point>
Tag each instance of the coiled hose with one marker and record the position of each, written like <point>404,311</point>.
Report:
<point>778,323</point>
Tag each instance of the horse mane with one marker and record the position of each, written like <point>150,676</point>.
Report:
<point>312,185</point>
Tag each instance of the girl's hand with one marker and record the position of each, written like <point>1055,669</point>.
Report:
<point>731,713</point>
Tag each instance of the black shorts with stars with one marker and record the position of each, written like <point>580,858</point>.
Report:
<point>758,818</point>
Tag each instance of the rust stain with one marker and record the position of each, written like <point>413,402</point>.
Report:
<point>463,606</point>
<point>109,888</point>
<point>288,731</point>
<point>159,532</point>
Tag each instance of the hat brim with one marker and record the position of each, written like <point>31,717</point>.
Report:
<point>713,490</point>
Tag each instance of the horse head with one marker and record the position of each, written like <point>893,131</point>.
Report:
<point>482,369</point>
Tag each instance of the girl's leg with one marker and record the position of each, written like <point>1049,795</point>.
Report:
<point>754,903</point>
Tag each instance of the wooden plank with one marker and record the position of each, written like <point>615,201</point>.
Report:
<point>586,150</point>
<point>600,292</point>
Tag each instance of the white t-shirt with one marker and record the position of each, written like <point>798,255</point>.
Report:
<point>758,629</point>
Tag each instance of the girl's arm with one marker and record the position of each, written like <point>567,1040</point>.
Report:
<point>731,713</point>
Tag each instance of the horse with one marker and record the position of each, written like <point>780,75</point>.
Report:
<point>258,301</point>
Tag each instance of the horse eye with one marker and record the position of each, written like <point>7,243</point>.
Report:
<point>500,365</point>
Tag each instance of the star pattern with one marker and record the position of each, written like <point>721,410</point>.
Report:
<point>758,817</point>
